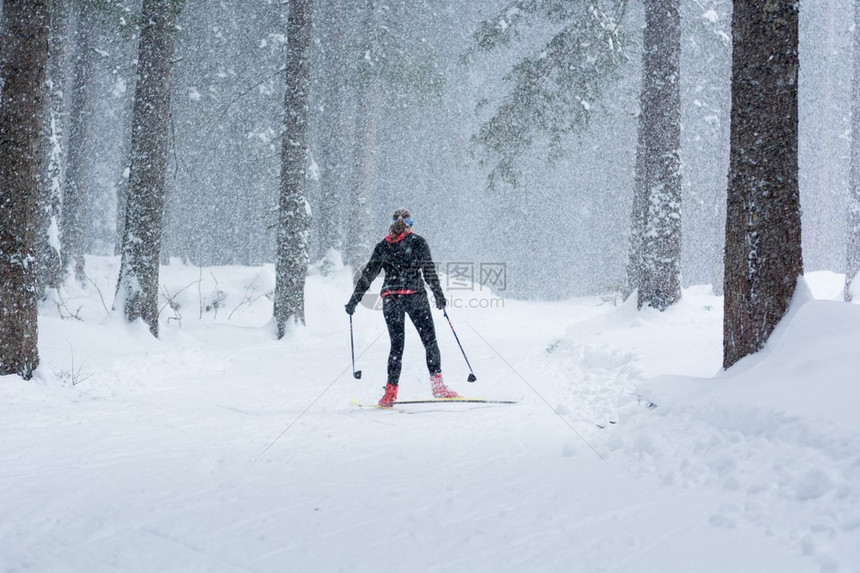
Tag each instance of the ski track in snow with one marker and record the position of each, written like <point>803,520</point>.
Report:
<point>217,448</point>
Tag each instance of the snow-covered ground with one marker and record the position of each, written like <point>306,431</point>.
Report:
<point>218,448</point>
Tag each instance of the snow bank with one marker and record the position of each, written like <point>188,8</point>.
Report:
<point>219,448</point>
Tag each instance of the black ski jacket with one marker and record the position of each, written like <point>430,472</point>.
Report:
<point>404,260</point>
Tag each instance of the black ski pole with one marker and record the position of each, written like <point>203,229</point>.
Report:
<point>355,373</point>
<point>472,376</point>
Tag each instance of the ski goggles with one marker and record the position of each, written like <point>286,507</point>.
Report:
<point>407,220</point>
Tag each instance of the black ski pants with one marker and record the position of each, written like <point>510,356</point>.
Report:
<point>395,307</point>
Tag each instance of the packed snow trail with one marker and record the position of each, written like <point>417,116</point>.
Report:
<point>217,448</point>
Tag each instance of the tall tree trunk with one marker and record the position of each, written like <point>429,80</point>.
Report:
<point>294,216</point>
<point>122,180</point>
<point>121,201</point>
<point>638,217</point>
<point>655,256</point>
<point>137,291</point>
<point>763,231</point>
<point>718,276</point>
<point>718,268</point>
<point>79,161</point>
<point>23,59</point>
<point>49,266</point>
<point>364,178</point>
<point>852,261</point>
<point>333,179</point>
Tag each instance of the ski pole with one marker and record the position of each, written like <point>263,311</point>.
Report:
<point>472,376</point>
<point>355,373</point>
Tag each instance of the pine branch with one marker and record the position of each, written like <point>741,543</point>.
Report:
<point>555,91</point>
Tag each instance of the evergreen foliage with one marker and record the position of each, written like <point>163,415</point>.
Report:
<point>555,91</point>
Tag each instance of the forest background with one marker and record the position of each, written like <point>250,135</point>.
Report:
<point>561,232</point>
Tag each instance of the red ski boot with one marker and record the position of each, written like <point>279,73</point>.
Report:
<point>390,396</point>
<point>439,388</point>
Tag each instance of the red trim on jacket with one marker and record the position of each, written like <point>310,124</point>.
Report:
<point>398,238</point>
<point>385,293</point>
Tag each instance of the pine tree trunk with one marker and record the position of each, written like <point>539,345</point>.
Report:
<point>718,270</point>
<point>718,276</point>
<point>361,202</point>
<point>137,291</point>
<point>360,205</point>
<point>656,225</point>
<point>852,261</point>
<point>638,218</point>
<point>122,181</point>
<point>49,262</point>
<point>75,218</point>
<point>23,59</point>
<point>294,217</point>
<point>333,180</point>
<point>763,231</point>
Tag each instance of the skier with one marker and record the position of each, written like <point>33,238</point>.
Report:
<point>405,257</point>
